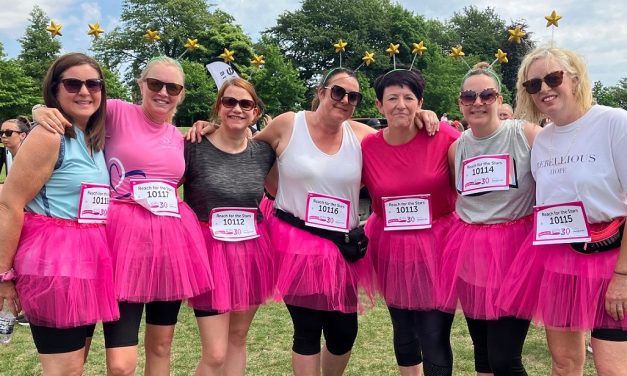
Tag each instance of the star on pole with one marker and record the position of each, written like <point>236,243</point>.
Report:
<point>501,56</point>
<point>515,35</point>
<point>95,30</point>
<point>419,48</point>
<point>258,60</point>
<point>552,19</point>
<point>152,36</point>
<point>227,55</point>
<point>54,29</point>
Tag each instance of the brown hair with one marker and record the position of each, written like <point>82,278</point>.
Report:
<point>22,122</point>
<point>95,130</point>
<point>325,80</point>
<point>243,84</point>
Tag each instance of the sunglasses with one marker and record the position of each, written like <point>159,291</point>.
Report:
<point>9,133</point>
<point>487,96</point>
<point>244,104</point>
<point>552,80</point>
<point>74,85</point>
<point>338,93</point>
<point>170,87</point>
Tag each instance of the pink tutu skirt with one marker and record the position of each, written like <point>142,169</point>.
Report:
<point>312,273</point>
<point>64,273</point>
<point>560,288</point>
<point>475,262</point>
<point>243,273</point>
<point>267,208</point>
<point>156,258</point>
<point>407,263</point>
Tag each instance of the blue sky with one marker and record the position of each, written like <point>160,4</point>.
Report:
<point>597,30</point>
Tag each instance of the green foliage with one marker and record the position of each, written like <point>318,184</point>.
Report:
<point>200,95</point>
<point>39,48</point>
<point>480,32</point>
<point>115,88</point>
<point>613,96</point>
<point>18,92</point>
<point>277,83</point>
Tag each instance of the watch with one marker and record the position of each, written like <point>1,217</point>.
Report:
<point>9,275</point>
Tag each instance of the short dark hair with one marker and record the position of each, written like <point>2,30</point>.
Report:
<point>400,77</point>
<point>95,130</point>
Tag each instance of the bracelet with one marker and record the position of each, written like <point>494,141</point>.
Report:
<point>620,273</point>
<point>37,106</point>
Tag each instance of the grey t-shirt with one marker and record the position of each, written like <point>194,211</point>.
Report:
<point>216,179</point>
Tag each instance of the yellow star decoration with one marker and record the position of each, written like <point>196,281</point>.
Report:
<point>55,29</point>
<point>457,52</point>
<point>515,35</point>
<point>552,19</point>
<point>419,48</point>
<point>152,36</point>
<point>95,30</point>
<point>227,55</point>
<point>192,44</point>
<point>501,56</point>
<point>340,46</point>
<point>258,60</point>
<point>393,49</point>
<point>368,58</point>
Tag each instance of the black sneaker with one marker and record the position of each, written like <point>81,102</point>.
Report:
<point>22,320</point>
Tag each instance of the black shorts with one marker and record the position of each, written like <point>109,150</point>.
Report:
<point>614,335</point>
<point>59,341</point>
<point>124,332</point>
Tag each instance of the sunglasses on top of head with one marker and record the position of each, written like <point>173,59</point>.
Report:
<point>552,80</point>
<point>486,96</point>
<point>170,87</point>
<point>338,93</point>
<point>9,133</point>
<point>74,85</point>
<point>244,104</point>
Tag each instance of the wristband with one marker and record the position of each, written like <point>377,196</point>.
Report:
<point>9,275</point>
<point>37,106</point>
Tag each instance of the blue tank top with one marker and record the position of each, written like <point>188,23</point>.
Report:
<point>60,195</point>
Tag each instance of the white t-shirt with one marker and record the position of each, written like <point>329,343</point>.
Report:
<point>584,161</point>
<point>9,159</point>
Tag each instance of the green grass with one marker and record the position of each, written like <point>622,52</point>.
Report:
<point>269,347</point>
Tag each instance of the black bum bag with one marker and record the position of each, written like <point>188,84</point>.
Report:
<point>352,245</point>
<point>607,239</point>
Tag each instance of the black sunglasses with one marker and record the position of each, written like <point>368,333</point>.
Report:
<point>244,104</point>
<point>338,93</point>
<point>9,133</point>
<point>74,85</point>
<point>552,80</point>
<point>170,87</point>
<point>486,96</point>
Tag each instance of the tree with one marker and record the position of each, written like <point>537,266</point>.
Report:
<point>200,95</point>
<point>18,92</point>
<point>277,83</point>
<point>479,32</point>
<point>39,48</point>
<point>603,95</point>
<point>620,93</point>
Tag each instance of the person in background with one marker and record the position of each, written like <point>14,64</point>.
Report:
<point>505,111</point>
<point>444,117</point>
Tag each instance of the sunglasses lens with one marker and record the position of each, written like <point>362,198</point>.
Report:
<point>337,93</point>
<point>229,102</point>
<point>554,79</point>
<point>488,96</point>
<point>94,86</point>
<point>246,104</point>
<point>354,98</point>
<point>467,97</point>
<point>173,89</point>
<point>7,133</point>
<point>154,84</point>
<point>72,85</point>
<point>533,86</point>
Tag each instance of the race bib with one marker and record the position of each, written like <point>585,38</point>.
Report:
<point>158,196</point>
<point>412,212</point>
<point>560,223</point>
<point>233,224</point>
<point>485,173</point>
<point>327,212</point>
<point>93,203</point>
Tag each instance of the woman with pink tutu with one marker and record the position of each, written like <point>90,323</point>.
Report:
<point>575,278</point>
<point>224,184</point>
<point>407,175</point>
<point>494,206</point>
<point>56,250</point>
<point>153,237</point>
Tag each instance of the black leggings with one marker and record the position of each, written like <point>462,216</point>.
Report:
<point>124,332</point>
<point>340,330</point>
<point>59,341</point>
<point>498,345</point>
<point>423,336</point>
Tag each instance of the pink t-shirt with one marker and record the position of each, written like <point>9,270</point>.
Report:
<point>417,167</point>
<point>138,148</point>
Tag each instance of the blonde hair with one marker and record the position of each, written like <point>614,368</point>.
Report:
<point>165,60</point>
<point>483,68</point>
<point>574,66</point>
